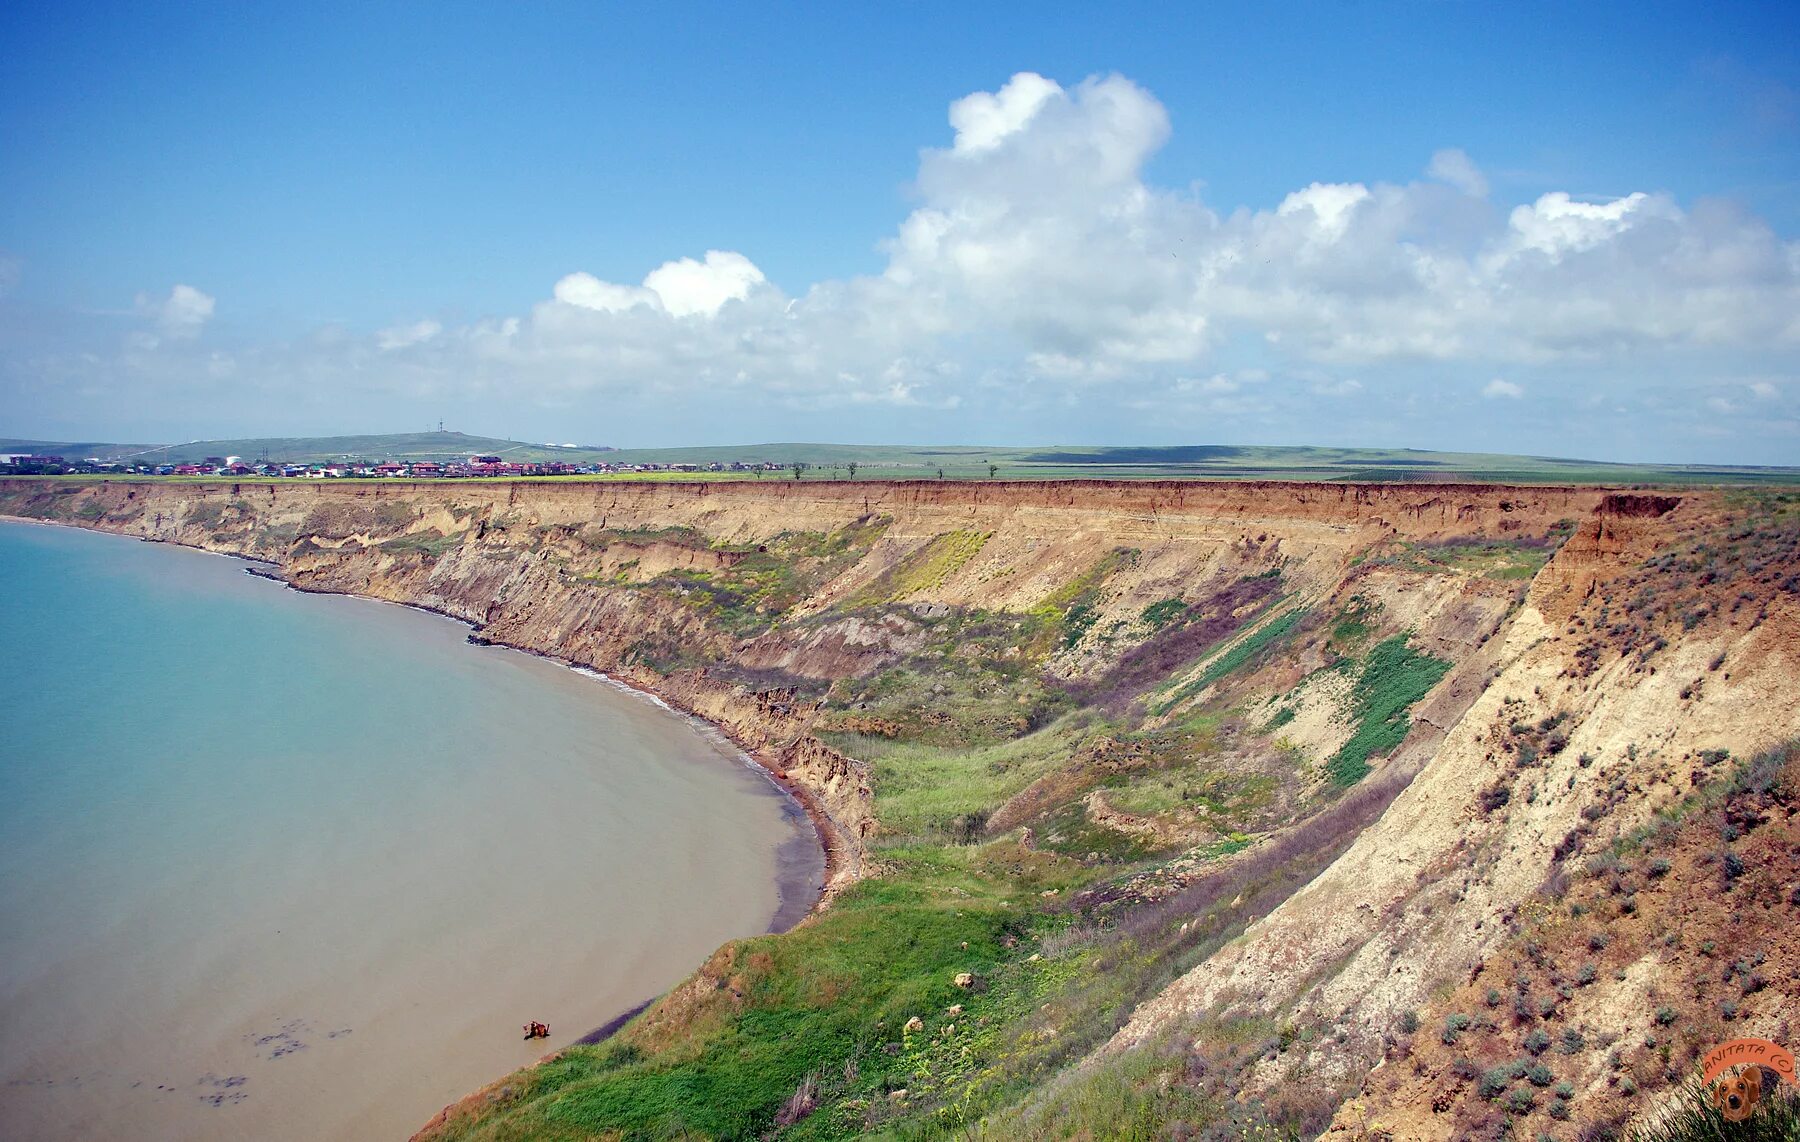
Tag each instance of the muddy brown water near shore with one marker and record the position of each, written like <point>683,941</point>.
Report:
<point>282,865</point>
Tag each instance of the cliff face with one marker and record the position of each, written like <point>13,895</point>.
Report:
<point>1599,702</point>
<point>1389,718</point>
<point>539,565</point>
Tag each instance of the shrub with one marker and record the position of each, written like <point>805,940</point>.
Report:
<point>1495,796</point>
<point>1409,1021</point>
<point>1520,1100</point>
<point>1659,867</point>
<point>1539,1075</point>
<point>1585,974</point>
<point>1538,1041</point>
<point>1160,614</point>
<point>1454,1025</point>
<point>1572,1041</point>
<point>1495,1080</point>
<point>1665,1015</point>
<point>1598,941</point>
<point>1524,1010</point>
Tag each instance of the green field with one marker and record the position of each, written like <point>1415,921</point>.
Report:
<point>889,462</point>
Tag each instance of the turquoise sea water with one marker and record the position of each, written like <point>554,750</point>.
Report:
<point>280,865</point>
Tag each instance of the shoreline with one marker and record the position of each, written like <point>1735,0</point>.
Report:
<point>798,896</point>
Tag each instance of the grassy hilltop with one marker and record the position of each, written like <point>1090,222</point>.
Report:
<point>873,461</point>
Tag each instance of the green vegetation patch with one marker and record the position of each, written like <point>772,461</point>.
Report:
<point>777,574</point>
<point>430,544</point>
<point>1354,622</point>
<point>761,582</point>
<point>1503,559</point>
<point>826,1004</point>
<point>1161,614</point>
<point>924,790</point>
<point>950,694</point>
<point>926,569</point>
<point>1217,796</point>
<point>1263,638</point>
<point>1393,678</point>
<point>1069,611</point>
<point>600,538</point>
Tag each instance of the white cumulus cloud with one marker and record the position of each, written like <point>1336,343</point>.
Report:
<point>179,315</point>
<point>681,288</point>
<point>402,336</point>
<point>1038,264</point>
<point>1453,166</point>
<point>982,120</point>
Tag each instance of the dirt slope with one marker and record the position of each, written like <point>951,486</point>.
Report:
<point>1140,692</point>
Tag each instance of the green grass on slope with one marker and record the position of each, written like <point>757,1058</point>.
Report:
<point>923,790</point>
<point>837,991</point>
<point>1392,679</point>
<point>1227,663</point>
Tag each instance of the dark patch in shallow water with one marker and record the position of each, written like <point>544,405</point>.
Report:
<point>226,1091</point>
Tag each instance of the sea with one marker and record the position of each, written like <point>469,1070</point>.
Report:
<point>280,865</point>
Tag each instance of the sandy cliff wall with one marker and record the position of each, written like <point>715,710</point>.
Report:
<point>509,558</point>
<point>1573,703</point>
<point>1427,893</point>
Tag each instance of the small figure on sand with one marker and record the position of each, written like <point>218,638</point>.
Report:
<point>536,1030</point>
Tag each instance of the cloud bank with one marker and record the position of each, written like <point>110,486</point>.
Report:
<point>1039,268</point>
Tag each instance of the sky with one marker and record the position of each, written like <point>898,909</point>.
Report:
<point>1552,229</point>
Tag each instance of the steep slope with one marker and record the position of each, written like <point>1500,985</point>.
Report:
<point>1658,641</point>
<point>1140,796</point>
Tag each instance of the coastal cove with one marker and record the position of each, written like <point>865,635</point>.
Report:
<point>285,863</point>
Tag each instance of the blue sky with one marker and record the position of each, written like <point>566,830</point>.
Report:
<point>243,221</point>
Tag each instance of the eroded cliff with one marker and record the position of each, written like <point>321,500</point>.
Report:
<point>1206,788</point>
